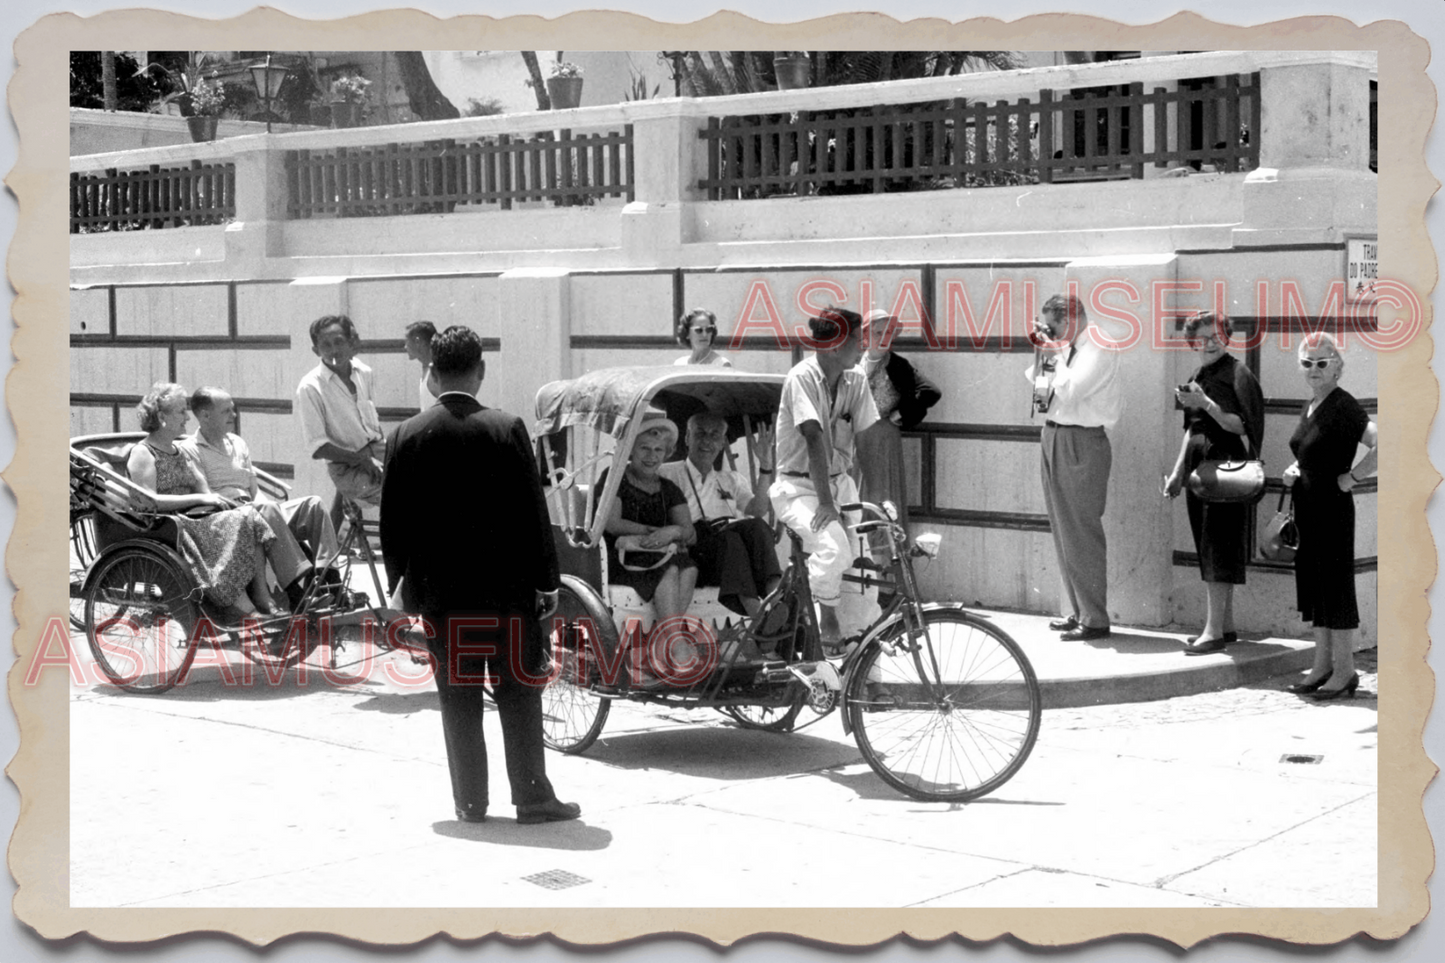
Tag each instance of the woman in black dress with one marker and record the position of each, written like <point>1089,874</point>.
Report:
<point>655,511</point>
<point>1223,418</point>
<point>1331,429</point>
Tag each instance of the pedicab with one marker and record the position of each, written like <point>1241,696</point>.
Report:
<point>943,704</point>
<point>145,616</point>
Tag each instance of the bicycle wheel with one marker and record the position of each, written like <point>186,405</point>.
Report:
<point>770,718</point>
<point>572,714</point>
<point>951,720</point>
<point>140,619</point>
<point>82,556</point>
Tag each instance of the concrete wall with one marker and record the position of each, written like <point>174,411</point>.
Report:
<point>560,291</point>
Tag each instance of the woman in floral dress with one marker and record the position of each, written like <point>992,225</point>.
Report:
<point>226,551</point>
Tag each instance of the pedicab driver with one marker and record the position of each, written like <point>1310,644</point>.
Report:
<point>825,403</point>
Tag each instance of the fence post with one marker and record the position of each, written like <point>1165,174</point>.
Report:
<point>261,198</point>
<point>1315,115</point>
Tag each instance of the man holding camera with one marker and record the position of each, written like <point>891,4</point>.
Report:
<point>1076,388</point>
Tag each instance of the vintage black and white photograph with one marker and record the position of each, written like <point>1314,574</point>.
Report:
<point>899,478</point>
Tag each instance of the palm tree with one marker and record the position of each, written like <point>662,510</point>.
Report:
<point>712,73</point>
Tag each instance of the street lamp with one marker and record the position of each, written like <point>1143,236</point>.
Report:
<point>268,79</point>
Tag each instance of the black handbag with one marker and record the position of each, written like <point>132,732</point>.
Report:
<point>1235,481</point>
<point>1280,540</point>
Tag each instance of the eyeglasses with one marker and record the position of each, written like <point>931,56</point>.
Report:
<point>705,330</point>
<point>1321,363</point>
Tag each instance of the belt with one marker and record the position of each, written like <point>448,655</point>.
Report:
<point>805,474</point>
<point>1049,422</point>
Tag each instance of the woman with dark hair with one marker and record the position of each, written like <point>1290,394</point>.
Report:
<point>225,550</point>
<point>697,329</point>
<point>903,396</point>
<point>1223,418</point>
<point>1331,430</point>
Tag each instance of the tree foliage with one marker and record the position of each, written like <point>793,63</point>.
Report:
<point>135,90</point>
<point>712,73</point>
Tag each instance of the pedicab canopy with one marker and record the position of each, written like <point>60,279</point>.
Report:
<point>607,400</point>
<point>610,402</point>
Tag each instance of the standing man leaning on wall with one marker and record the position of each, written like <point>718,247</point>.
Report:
<point>338,416</point>
<point>1076,388</point>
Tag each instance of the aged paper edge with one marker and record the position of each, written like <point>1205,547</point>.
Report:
<point>38,267</point>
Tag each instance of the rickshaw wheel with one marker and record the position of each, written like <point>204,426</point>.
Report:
<point>82,557</point>
<point>769,718</point>
<point>140,620</point>
<point>572,714</point>
<point>952,721</point>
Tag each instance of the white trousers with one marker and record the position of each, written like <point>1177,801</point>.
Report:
<point>830,551</point>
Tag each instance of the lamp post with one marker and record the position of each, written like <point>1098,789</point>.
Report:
<point>268,79</point>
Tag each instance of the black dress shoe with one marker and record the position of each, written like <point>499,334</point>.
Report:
<point>1086,633</point>
<point>1346,691</point>
<point>1226,638</point>
<point>552,811</point>
<point>1064,625</point>
<point>1304,688</point>
<point>1208,646</point>
<point>472,815</point>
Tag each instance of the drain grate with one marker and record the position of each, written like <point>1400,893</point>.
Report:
<point>1301,759</point>
<point>556,879</point>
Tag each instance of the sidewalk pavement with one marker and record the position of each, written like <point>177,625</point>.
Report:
<point>310,794</point>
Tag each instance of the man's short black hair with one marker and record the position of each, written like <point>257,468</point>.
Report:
<point>456,351</point>
<point>326,320</point>
<point>826,326</point>
<point>204,398</point>
<point>421,329</point>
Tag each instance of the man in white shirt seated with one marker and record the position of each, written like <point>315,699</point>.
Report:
<point>303,530</point>
<point>734,548</point>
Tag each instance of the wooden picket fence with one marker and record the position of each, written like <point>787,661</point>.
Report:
<point>562,168</point>
<point>1088,134</point>
<point>153,198</point>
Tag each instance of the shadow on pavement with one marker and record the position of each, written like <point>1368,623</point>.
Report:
<point>1128,643</point>
<point>723,753</point>
<point>402,703</point>
<point>867,785</point>
<point>573,835</point>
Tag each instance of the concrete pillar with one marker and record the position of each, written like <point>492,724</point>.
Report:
<point>535,305</point>
<point>1315,115</point>
<point>258,231</point>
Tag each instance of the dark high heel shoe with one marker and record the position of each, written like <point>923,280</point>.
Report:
<point>1347,691</point>
<point>1304,688</point>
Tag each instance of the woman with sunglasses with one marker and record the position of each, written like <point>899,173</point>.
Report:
<point>1331,430</point>
<point>1223,418</point>
<point>696,330</point>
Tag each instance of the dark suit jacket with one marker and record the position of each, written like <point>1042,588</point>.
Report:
<point>462,512</point>
<point>916,394</point>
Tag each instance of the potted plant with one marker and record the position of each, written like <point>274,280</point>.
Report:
<point>564,87</point>
<point>202,105</point>
<point>348,100</point>
<point>793,69</point>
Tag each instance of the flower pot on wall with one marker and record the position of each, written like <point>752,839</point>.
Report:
<point>793,69</point>
<point>202,128</point>
<point>564,92</point>
<point>345,114</point>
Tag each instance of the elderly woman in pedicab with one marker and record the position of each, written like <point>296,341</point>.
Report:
<point>650,525</point>
<point>225,550</point>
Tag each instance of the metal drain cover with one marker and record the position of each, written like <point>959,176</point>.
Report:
<point>1301,759</point>
<point>556,879</point>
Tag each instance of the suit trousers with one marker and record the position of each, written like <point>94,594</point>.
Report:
<point>505,655</point>
<point>303,533</point>
<point>740,560</point>
<point>1075,473</point>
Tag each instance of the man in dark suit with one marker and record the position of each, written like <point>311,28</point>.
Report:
<point>465,529</point>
